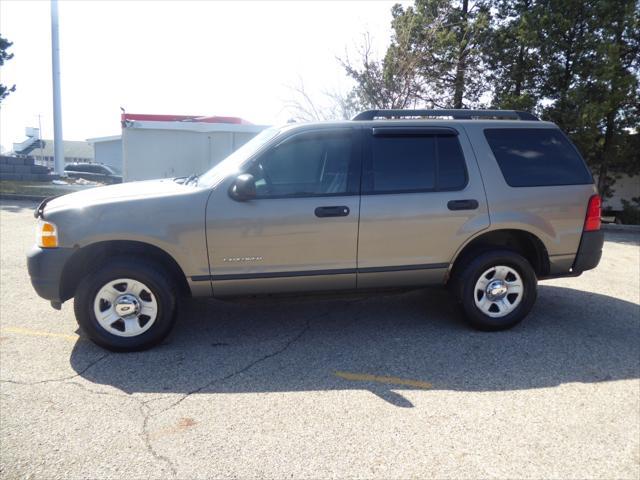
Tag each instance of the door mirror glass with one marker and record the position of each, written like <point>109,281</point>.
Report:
<point>243,188</point>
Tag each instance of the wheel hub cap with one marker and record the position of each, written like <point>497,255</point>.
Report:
<point>127,306</point>
<point>496,290</point>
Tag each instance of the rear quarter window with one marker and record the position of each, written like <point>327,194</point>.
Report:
<point>537,157</point>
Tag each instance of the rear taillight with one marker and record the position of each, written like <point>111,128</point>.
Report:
<point>592,222</point>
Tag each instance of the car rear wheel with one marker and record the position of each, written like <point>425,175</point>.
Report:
<point>497,289</point>
<point>126,305</point>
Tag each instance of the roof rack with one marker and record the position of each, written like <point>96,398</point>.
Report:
<point>457,114</point>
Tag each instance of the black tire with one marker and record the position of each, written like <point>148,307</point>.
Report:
<point>467,275</point>
<point>153,276</point>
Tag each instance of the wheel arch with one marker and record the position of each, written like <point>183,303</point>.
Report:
<point>91,257</point>
<point>520,241</point>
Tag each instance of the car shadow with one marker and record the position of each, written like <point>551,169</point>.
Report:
<point>283,345</point>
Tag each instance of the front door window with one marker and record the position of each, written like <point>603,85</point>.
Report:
<point>306,165</point>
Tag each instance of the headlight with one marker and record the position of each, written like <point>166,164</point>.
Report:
<point>46,234</point>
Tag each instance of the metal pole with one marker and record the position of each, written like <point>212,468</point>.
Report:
<point>58,157</point>
<point>42,160</point>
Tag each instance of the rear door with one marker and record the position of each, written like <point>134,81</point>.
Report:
<point>300,232</point>
<point>422,197</point>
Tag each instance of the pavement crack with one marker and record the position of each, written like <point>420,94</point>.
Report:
<point>247,367</point>
<point>146,438</point>
<point>15,382</point>
<point>146,412</point>
<point>63,379</point>
<point>96,392</point>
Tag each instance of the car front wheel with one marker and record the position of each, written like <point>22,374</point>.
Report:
<point>126,305</point>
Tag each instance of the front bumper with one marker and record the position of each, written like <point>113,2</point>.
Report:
<point>45,267</point>
<point>589,252</point>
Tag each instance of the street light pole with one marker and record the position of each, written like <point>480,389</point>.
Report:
<point>58,156</point>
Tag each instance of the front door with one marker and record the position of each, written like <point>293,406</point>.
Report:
<point>300,233</point>
<point>422,197</point>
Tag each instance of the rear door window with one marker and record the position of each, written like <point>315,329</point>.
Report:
<point>405,163</point>
<point>452,174</point>
<point>537,157</point>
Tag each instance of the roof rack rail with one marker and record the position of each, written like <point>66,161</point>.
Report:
<point>457,114</point>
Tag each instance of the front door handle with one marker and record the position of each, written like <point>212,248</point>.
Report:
<point>341,211</point>
<point>462,204</point>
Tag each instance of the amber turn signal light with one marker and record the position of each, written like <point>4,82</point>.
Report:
<point>47,235</point>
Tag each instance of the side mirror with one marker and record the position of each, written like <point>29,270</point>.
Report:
<point>243,188</point>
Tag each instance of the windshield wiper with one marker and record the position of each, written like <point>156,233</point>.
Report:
<point>192,178</point>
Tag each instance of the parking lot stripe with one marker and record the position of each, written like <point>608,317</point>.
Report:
<point>39,333</point>
<point>363,377</point>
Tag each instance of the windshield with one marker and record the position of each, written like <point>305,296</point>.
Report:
<point>234,161</point>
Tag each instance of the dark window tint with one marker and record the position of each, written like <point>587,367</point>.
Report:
<point>403,163</point>
<point>77,168</point>
<point>307,164</point>
<point>537,157</point>
<point>416,163</point>
<point>452,174</point>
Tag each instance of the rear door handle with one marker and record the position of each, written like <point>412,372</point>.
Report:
<point>462,204</point>
<point>341,211</point>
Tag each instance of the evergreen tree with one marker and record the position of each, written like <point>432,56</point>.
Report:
<point>448,38</point>
<point>513,55</point>
<point>573,62</point>
<point>4,56</point>
<point>591,57</point>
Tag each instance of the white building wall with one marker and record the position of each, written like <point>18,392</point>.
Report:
<point>109,152</point>
<point>240,139</point>
<point>220,145</point>
<point>174,149</point>
<point>163,154</point>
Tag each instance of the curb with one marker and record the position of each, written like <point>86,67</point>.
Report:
<point>17,196</point>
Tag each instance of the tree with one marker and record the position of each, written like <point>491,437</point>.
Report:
<point>591,52</point>
<point>393,82</point>
<point>613,92</point>
<point>573,62</point>
<point>329,106</point>
<point>513,55</point>
<point>434,58</point>
<point>5,56</point>
<point>447,37</point>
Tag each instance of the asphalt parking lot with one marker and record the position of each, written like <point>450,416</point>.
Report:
<point>388,386</point>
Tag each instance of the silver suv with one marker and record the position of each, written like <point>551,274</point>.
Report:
<point>486,202</point>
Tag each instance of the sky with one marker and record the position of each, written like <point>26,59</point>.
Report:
<point>193,58</point>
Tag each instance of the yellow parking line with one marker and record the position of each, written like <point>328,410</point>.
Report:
<point>38,333</point>
<point>363,377</point>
